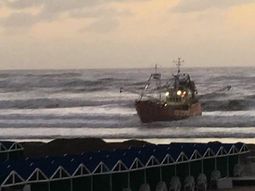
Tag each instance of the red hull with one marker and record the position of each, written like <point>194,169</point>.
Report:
<point>150,111</point>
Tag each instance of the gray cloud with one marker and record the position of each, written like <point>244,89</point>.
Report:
<point>201,5</point>
<point>99,12</point>
<point>102,25</point>
<point>24,19</point>
<point>56,5</point>
<point>105,19</point>
<point>52,9</point>
<point>18,20</point>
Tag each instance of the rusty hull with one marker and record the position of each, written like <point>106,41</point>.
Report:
<point>149,111</point>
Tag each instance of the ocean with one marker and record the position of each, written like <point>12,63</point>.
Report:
<point>48,104</point>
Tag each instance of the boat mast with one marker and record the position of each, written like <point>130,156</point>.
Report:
<point>176,77</point>
<point>156,79</point>
<point>178,64</point>
<point>157,76</point>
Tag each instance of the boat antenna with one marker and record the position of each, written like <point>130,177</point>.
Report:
<point>178,64</point>
<point>156,68</point>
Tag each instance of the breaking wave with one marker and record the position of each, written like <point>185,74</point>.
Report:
<point>34,103</point>
<point>228,105</point>
<point>88,103</point>
<point>61,103</point>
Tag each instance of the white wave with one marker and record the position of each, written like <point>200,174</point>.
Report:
<point>86,110</point>
<point>83,106</point>
<point>125,133</point>
<point>249,113</point>
<point>107,117</point>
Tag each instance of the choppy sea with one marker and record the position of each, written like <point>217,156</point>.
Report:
<point>43,105</point>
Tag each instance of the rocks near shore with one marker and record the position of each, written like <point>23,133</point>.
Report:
<point>74,146</point>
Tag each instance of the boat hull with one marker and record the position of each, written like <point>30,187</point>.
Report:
<point>149,111</point>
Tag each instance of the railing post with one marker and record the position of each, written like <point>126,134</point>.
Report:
<point>91,183</point>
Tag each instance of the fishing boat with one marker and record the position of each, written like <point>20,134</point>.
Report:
<point>176,99</point>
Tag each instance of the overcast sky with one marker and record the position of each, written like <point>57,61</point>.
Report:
<point>62,34</point>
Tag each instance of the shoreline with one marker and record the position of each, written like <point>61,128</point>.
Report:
<point>158,140</point>
<point>79,145</point>
<point>59,147</point>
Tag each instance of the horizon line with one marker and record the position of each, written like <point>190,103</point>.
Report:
<point>115,68</point>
